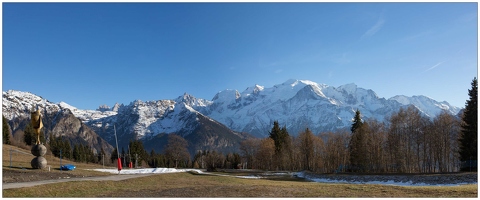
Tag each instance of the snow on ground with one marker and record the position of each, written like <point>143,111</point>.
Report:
<point>164,171</point>
<point>387,182</point>
<point>296,174</point>
<point>390,182</point>
<point>147,171</point>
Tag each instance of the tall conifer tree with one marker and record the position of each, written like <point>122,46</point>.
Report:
<point>356,142</point>
<point>468,138</point>
<point>29,135</point>
<point>357,121</point>
<point>279,136</point>
<point>6,131</point>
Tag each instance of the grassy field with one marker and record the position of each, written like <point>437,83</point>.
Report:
<point>21,159</point>
<point>201,185</point>
<point>194,185</point>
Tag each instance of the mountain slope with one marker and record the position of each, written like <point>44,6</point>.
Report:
<point>426,105</point>
<point>57,119</point>
<point>150,121</point>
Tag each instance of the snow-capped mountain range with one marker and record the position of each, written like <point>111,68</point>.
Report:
<point>297,104</point>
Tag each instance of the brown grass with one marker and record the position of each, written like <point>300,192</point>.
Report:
<point>22,161</point>
<point>192,185</point>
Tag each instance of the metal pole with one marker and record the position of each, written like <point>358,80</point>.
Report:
<point>60,159</point>
<point>129,156</point>
<point>118,152</point>
<point>10,157</point>
<point>470,163</point>
<point>103,160</point>
<point>136,160</point>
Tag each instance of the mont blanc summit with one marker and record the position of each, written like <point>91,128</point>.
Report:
<point>299,104</point>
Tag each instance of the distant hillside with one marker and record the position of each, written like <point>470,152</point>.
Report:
<point>59,121</point>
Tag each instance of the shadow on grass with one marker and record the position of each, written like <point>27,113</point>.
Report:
<point>32,169</point>
<point>286,177</point>
<point>19,167</point>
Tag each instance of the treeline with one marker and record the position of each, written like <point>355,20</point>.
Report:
<point>409,143</point>
<point>175,155</point>
<point>62,148</point>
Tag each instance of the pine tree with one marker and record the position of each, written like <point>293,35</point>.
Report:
<point>52,142</point>
<point>281,139</point>
<point>356,142</point>
<point>469,131</point>
<point>277,137</point>
<point>137,151</point>
<point>29,135</point>
<point>76,153</point>
<point>101,155</point>
<point>357,121</point>
<point>114,155</point>
<point>6,131</point>
<point>152,162</point>
<point>67,149</point>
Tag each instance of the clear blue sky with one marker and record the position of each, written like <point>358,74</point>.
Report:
<point>89,54</point>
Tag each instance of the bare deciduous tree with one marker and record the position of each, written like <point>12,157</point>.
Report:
<point>176,149</point>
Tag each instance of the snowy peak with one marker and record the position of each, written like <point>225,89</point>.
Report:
<point>104,108</point>
<point>31,101</point>
<point>309,92</point>
<point>17,103</point>
<point>288,89</point>
<point>350,88</point>
<point>186,98</point>
<point>254,90</point>
<point>192,101</point>
<point>426,104</point>
<point>20,104</point>
<point>227,95</point>
<point>67,106</point>
<point>116,107</point>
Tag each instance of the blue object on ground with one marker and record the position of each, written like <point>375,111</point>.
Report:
<point>68,167</point>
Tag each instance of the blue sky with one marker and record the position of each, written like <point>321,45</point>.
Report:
<point>89,54</point>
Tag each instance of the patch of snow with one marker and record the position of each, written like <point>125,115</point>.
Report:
<point>389,182</point>
<point>146,171</point>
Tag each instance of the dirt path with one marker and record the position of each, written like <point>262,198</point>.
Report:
<point>93,178</point>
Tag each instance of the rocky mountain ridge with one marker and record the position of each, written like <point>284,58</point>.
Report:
<point>58,120</point>
<point>297,104</point>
